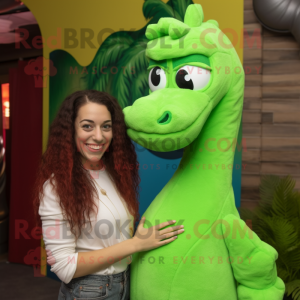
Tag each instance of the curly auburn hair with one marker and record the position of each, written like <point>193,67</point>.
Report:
<point>72,183</point>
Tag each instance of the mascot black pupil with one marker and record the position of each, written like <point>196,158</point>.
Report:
<point>155,76</point>
<point>182,82</point>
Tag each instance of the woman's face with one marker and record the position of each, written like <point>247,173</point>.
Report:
<point>93,133</point>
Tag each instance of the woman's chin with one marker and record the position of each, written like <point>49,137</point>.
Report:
<point>94,158</point>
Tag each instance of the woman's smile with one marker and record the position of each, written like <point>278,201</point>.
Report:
<point>94,147</point>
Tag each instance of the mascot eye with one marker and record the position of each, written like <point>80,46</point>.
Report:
<point>157,79</point>
<point>192,78</point>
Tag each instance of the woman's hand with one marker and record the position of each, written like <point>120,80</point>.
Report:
<point>151,238</point>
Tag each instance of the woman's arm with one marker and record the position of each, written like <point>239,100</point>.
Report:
<point>60,244</point>
<point>94,261</point>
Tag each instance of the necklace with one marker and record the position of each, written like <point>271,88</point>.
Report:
<point>103,192</point>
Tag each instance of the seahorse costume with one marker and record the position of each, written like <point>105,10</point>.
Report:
<point>196,83</point>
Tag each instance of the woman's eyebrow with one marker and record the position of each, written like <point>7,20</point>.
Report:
<point>93,121</point>
<point>87,121</point>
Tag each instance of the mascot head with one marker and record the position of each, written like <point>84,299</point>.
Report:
<point>193,66</point>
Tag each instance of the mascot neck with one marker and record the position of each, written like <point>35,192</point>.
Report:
<point>209,159</point>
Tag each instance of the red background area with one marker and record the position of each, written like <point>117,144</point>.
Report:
<point>26,148</point>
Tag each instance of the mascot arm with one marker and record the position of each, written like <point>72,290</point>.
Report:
<point>255,268</point>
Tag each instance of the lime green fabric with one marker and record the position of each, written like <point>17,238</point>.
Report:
<point>190,59</point>
<point>218,256</point>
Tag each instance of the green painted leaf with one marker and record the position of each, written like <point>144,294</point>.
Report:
<point>107,56</point>
<point>140,86</point>
<point>157,9</point>
<point>135,63</point>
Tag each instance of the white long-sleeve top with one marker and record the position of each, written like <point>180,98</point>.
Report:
<point>60,244</point>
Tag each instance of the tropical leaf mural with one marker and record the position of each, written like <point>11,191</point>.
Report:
<point>120,65</point>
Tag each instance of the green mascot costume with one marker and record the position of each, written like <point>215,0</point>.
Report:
<point>196,83</point>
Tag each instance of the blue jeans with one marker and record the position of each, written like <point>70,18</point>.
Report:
<point>97,287</point>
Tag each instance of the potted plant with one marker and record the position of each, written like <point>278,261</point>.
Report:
<point>276,221</point>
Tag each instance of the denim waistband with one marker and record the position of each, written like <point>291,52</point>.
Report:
<point>87,279</point>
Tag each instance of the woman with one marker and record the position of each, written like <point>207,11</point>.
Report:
<point>86,200</point>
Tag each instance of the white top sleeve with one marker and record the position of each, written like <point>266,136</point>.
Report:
<point>60,243</point>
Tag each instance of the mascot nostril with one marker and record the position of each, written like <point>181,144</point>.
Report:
<point>165,118</point>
